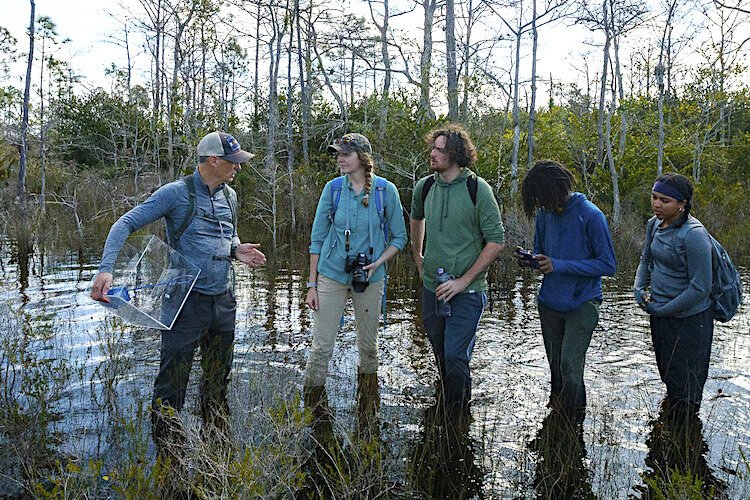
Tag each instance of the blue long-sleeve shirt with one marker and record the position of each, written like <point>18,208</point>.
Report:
<point>676,263</point>
<point>577,240</point>
<point>328,240</point>
<point>206,242</point>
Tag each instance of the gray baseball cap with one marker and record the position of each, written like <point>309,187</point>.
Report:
<point>349,143</point>
<point>223,145</point>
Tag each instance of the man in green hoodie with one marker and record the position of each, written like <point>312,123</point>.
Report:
<point>459,214</point>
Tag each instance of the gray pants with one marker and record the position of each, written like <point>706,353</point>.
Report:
<point>206,322</point>
<point>567,336</point>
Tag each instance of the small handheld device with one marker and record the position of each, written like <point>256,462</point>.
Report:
<point>526,257</point>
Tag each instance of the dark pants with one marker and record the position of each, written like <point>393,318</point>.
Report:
<point>567,336</point>
<point>683,350</point>
<point>453,339</point>
<point>206,321</point>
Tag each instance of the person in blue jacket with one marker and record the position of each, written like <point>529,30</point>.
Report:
<point>348,250</point>
<point>573,249</point>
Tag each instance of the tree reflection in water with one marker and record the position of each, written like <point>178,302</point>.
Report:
<point>676,461</point>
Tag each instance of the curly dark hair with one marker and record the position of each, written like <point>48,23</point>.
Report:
<point>547,185</point>
<point>684,186</point>
<point>458,145</point>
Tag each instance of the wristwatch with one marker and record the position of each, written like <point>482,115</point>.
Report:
<point>312,284</point>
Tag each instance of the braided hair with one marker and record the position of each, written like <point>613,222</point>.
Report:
<point>547,185</point>
<point>367,163</point>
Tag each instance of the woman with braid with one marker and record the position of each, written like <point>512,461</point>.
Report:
<point>573,250</point>
<point>676,269</point>
<point>358,227</point>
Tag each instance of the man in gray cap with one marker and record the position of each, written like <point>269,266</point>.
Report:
<point>201,220</point>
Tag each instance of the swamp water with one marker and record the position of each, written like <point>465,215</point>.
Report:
<point>97,376</point>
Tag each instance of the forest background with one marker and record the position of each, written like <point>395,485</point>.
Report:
<point>657,87</point>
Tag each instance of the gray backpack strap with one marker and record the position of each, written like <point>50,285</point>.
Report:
<point>190,184</point>
<point>232,202</point>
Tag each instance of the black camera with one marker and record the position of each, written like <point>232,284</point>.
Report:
<point>354,264</point>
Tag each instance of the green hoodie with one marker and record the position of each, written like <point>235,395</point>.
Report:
<point>455,229</point>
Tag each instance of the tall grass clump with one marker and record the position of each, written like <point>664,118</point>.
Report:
<point>34,381</point>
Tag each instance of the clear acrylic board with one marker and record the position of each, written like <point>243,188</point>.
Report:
<point>151,287</point>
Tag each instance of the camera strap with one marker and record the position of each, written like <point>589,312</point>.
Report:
<point>348,230</point>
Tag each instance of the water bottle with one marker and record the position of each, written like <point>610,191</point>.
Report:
<point>442,307</point>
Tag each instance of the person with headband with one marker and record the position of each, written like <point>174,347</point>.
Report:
<point>673,285</point>
<point>358,227</point>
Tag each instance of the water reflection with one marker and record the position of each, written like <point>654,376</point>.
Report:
<point>341,466</point>
<point>390,436</point>
<point>676,461</point>
<point>443,462</point>
<point>561,470</point>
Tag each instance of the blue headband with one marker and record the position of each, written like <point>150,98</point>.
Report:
<point>669,190</point>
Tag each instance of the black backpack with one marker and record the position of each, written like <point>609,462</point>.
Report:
<point>471,185</point>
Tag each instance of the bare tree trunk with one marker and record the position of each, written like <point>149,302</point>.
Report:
<point>516,118</point>
<point>256,87</point>
<point>660,70</point>
<point>450,54</point>
<point>603,83</point>
<point>42,130</point>
<point>386,58</point>
<point>532,107</point>
<point>425,60</point>
<point>464,108</point>
<point>621,93</point>
<point>271,166</point>
<point>303,86</point>
<point>616,207</point>
<point>23,147</point>
<point>290,125</point>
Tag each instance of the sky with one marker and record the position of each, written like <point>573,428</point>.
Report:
<point>88,23</point>
<point>84,22</point>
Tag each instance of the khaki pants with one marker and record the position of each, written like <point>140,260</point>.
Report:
<point>332,297</point>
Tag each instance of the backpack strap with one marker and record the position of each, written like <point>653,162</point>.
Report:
<point>471,184</point>
<point>336,185</point>
<point>426,187</point>
<point>190,184</point>
<point>380,184</point>
<point>190,214</point>
<point>232,202</point>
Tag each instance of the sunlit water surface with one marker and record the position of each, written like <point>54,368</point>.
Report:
<point>510,374</point>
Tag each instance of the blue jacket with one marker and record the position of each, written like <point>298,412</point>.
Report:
<point>328,240</point>
<point>579,244</point>
<point>206,242</point>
